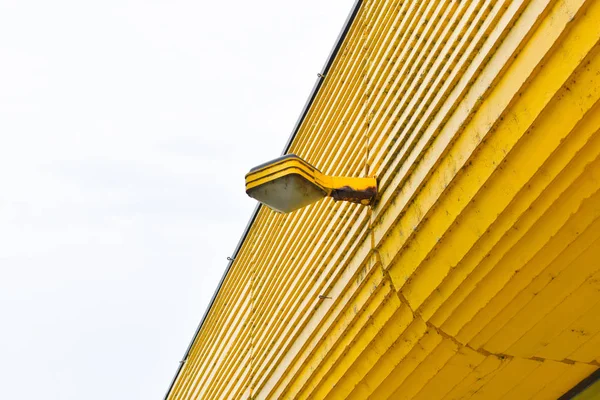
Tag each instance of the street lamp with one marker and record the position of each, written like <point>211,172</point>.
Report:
<point>288,183</point>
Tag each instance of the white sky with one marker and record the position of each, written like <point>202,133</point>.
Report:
<point>126,130</point>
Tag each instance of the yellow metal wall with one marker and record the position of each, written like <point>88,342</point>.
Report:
<point>477,273</point>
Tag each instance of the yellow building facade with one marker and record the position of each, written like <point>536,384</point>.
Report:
<point>476,274</point>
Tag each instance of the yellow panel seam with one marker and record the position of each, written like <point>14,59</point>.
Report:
<point>482,351</point>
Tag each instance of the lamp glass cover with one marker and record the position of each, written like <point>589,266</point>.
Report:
<point>287,193</point>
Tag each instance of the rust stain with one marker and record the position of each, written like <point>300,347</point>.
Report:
<point>346,193</point>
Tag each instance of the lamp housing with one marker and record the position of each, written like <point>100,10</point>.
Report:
<point>288,183</point>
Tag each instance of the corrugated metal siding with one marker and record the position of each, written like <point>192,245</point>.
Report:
<point>477,273</point>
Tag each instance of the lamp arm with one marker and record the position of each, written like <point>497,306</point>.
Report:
<point>356,190</point>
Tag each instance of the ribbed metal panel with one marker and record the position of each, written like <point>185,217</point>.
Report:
<point>477,273</point>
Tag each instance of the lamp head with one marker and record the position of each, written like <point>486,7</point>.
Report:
<point>285,184</point>
<point>288,183</point>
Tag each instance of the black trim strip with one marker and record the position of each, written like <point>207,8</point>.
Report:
<point>581,386</point>
<point>309,102</point>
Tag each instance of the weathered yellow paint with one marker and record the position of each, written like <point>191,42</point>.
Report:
<point>426,370</point>
<point>389,360</point>
<point>454,371</point>
<point>352,342</point>
<point>475,274</point>
<point>408,365</point>
<point>569,377</point>
<point>556,185</point>
<point>371,356</point>
<point>480,376</point>
<point>545,373</point>
<point>573,335</point>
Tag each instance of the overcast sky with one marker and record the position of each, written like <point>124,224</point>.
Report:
<point>126,129</point>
